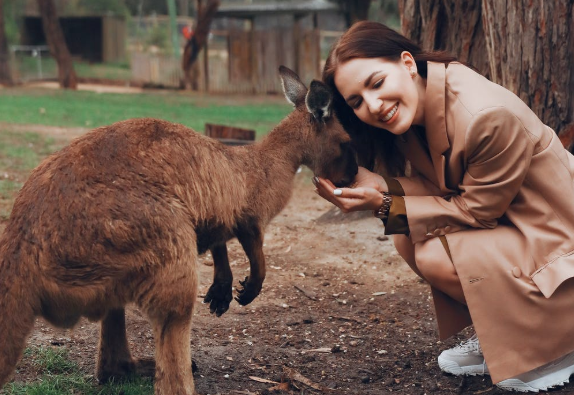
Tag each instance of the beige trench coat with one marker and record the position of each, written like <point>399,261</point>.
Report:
<point>500,187</point>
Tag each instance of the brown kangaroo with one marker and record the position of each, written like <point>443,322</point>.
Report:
<point>120,215</point>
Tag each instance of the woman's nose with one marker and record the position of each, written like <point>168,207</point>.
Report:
<point>374,104</point>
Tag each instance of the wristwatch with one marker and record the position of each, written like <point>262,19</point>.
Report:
<point>383,211</point>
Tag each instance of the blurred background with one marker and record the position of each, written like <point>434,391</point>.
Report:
<point>142,42</point>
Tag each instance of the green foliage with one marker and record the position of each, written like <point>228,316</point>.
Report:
<point>386,12</point>
<point>100,7</point>
<point>89,109</point>
<point>158,36</point>
<point>13,9</point>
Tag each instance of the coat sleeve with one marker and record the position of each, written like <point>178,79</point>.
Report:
<point>498,152</point>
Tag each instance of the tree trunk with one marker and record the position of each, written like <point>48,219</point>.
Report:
<point>5,74</point>
<point>205,14</point>
<point>450,25</point>
<point>530,46</point>
<point>56,42</point>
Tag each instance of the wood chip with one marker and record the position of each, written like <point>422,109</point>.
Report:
<point>306,293</point>
<point>280,387</point>
<point>323,349</point>
<point>259,379</point>
<point>295,375</point>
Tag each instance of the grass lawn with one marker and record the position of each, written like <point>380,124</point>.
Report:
<point>90,109</point>
<point>60,375</point>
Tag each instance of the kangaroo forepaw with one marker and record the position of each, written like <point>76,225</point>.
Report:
<point>219,297</point>
<point>249,291</point>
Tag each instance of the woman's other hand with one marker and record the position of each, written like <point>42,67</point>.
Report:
<point>366,193</point>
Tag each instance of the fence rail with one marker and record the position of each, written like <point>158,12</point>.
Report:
<point>241,62</point>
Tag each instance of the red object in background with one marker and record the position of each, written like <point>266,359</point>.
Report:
<point>187,32</point>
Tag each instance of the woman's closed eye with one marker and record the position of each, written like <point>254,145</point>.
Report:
<point>356,103</point>
<point>378,83</point>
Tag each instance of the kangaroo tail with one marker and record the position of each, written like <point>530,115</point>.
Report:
<point>16,316</point>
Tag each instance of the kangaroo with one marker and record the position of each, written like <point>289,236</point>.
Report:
<point>120,215</point>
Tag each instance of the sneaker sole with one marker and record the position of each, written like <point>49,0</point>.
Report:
<point>452,367</point>
<point>542,384</point>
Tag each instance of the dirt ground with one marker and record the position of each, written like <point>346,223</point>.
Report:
<point>340,313</point>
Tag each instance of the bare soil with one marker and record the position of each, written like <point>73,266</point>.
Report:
<point>340,313</point>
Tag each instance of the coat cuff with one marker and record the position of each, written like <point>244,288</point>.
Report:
<point>396,222</point>
<point>395,187</point>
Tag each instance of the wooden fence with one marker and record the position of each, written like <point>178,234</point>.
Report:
<point>247,62</point>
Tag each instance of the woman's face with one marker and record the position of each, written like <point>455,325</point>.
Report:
<point>383,93</point>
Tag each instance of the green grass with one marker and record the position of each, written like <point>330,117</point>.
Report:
<point>28,68</point>
<point>58,375</point>
<point>89,109</point>
<point>23,151</point>
<point>19,154</point>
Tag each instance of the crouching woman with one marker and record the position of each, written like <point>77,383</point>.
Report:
<point>485,213</point>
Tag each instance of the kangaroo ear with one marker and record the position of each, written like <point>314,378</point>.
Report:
<point>294,89</point>
<point>318,100</point>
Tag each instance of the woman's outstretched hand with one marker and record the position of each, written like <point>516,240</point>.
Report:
<point>365,194</point>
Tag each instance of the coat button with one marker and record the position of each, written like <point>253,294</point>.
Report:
<point>516,272</point>
<point>447,228</point>
<point>437,232</point>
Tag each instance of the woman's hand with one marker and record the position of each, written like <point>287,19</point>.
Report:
<point>366,193</point>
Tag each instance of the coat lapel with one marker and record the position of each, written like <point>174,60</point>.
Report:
<point>415,151</point>
<point>435,124</point>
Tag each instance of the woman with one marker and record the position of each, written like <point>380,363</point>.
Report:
<point>485,213</point>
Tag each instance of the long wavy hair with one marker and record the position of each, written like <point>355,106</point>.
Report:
<point>375,147</point>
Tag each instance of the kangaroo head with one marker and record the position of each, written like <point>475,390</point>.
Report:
<point>328,147</point>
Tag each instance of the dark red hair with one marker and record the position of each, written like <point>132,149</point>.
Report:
<point>373,40</point>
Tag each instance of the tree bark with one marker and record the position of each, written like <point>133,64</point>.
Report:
<point>205,14</point>
<point>5,74</point>
<point>522,45</point>
<point>449,25</point>
<point>56,42</point>
<point>530,46</point>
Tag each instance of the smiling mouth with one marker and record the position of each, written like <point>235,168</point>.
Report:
<point>390,114</point>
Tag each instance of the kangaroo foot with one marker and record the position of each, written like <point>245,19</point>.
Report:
<point>146,367</point>
<point>219,296</point>
<point>117,370</point>
<point>249,291</point>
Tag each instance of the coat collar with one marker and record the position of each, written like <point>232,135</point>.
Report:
<point>433,167</point>
<point>435,118</point>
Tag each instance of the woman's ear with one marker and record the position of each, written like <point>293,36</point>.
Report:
<point>408,60</point>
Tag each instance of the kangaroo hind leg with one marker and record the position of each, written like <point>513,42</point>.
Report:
<point>114,358</point>
<point>16,323</point>
<point>169,302</point>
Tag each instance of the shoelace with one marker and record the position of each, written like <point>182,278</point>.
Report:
<point>470,345</point>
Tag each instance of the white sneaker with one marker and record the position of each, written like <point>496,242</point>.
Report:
<point>553,374</point>
<point>464,359</point>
